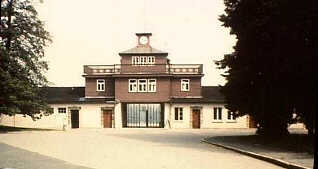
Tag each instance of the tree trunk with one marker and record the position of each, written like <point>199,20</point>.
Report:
<point>9,32</point>
<point>310,131</point>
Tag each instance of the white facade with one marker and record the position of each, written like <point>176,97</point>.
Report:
<point>90,116</point>
<point>206,117</point>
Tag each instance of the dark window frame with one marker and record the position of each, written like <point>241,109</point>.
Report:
<point>178,113</point>
<point>231,116</point>
<point>61,110</point>
<point>217,114</point>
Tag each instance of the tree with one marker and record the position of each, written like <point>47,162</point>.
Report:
<point>22,42</point>
<point>272,70</point>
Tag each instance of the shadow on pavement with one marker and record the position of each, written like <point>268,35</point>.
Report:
<point>184,140</point>
<point>6,129</point>
<point>16,158</point>
<point>295,148</point>
<point>296,143</point>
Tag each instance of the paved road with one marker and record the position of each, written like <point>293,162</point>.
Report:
<point>125,148</point>
<point>12,157</point>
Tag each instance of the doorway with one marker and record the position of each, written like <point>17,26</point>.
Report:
<point>75,118</point>
<point>196,118</point>
<point>107,118</point>
<point>143,115</point>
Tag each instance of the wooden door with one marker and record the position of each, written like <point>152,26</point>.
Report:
<point>251,123</point>
<point>196,118</point>
<point>75,118</point>
<point>107,116</point>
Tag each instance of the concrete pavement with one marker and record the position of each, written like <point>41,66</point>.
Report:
<point>285,152</point>
<point>17,158</point>
<point>132,148</point>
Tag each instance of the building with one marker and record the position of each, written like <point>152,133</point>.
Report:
<point>145,90</point>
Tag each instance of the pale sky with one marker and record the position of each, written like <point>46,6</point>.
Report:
<point>94,32</point>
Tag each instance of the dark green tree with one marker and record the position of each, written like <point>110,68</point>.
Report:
<point>272,70</point>
<point>22,42</point>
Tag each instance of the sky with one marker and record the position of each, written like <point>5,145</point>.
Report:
<point>94,32</point>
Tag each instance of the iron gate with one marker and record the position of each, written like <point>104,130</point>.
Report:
<point>143,115</point>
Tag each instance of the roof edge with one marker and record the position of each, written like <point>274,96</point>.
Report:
<point>144,34</point>
<point>143,54</point>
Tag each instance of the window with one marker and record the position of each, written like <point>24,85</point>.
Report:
<point>231,116</point>
<point>132,85</point>
<point>151,60</point>
<point>178,113</point>
<point>62,110</point>
<point>217,113</point>
<point>185,85</point>
<point>100,85</point>
<point>137,60</point>
<point>143,60</point>
<point>142,85</point>
<point>133,60</point>
<point>152,86</point>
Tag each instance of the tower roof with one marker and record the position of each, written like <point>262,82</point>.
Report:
<point>143,50</point>
<point>143,34</point>
<point>143,47</point>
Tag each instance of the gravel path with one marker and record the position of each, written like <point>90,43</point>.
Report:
<point>133,148</point>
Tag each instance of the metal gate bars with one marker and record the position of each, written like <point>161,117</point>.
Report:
<point>143,115</point>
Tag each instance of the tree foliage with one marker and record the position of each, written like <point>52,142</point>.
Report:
<point>272,71</point>
<point>22,42</point>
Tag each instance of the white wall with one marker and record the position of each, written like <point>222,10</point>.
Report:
<point>185,123</point>
<point>118,116</point>
<point>206,119</point>
<point>89,117</point>
<point>54,121</point>
<point>167,112</point>
<point>297,126</point>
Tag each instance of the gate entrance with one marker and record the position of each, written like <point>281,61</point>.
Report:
<point>143,115</point>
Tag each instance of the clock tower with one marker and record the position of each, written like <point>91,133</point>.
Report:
<point>143,48</point>
<point>143,39</point>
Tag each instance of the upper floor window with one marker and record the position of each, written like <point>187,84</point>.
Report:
<point>132,85</point>
<point>137,60</point>
<point>178,113</point>
<point>143,60</point>
<point>62,110</point>
<point>217,113</point>
<point>151,60</point>
<point>231,116</point>
<point>152,86</point>
<point>100,85</point>
<point>142,85</point>
<point>185,85</point>
<point>134,60</point>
